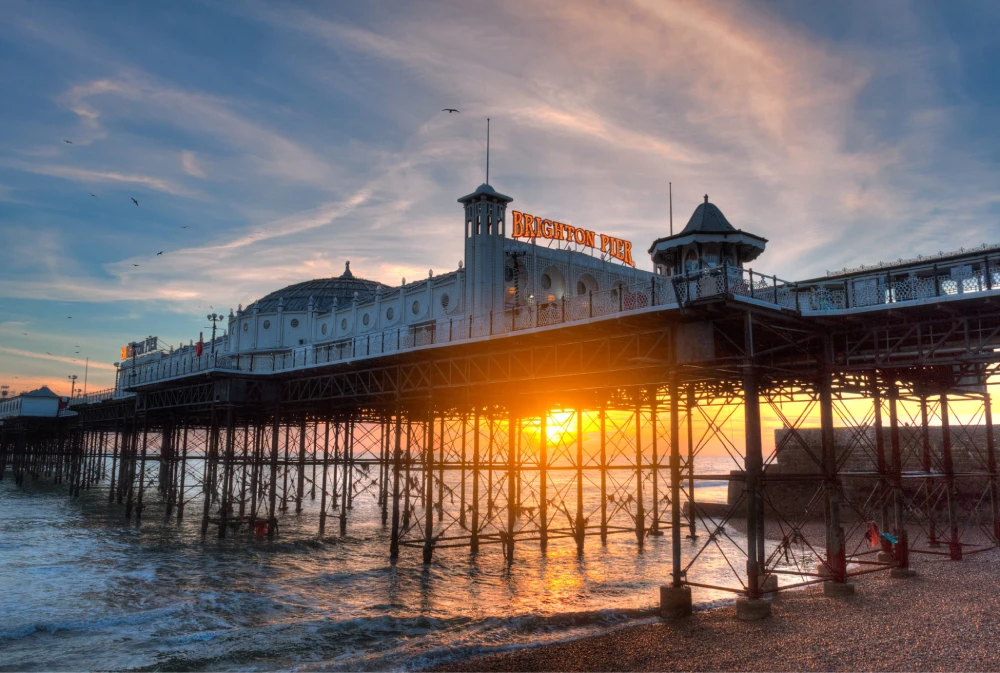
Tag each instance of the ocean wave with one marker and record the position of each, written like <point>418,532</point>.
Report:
<point>130,619</point>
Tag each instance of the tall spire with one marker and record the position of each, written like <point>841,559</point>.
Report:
<point>487,150</point>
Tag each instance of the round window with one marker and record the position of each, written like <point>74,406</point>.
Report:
<point>415,307</point>
<point>389,313</point>
<point>246,326</point>
<point>267,324</point>
<point>343,324</point>
<point>365,319</point>
<point>323,328</point>
<point>445,300</point>
<point>294,323</point>
<point>546,281</point>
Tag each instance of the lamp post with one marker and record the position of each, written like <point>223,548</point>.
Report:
<point>214,318</point>
<point>72,388</point>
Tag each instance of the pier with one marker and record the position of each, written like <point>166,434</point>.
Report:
<point>581,414</point>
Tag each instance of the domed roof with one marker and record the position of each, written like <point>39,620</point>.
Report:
<point>322,290</point>
<point>708,218</point>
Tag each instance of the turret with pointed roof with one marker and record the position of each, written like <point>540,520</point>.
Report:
<point>708,241</point>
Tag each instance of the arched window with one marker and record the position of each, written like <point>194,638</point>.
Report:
<point>691,261</point>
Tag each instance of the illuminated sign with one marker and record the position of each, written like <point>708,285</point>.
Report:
<point>137,348</point>
<point>532,226</point>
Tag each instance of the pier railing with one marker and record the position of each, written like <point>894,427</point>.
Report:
<point>856,291</point>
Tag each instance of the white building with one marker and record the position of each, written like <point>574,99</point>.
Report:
<point>38,403</point>
<point>551,273</point>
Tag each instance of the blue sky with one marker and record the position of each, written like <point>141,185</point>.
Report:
<point>269,143</point>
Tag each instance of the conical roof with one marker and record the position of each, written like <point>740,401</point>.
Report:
<point>322,290</point>
<point>707,218</point>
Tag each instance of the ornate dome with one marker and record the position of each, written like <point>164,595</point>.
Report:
<point>322,290</point>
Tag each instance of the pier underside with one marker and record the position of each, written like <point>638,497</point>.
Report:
<point>884,442</point>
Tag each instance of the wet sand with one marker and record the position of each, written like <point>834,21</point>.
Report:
<point>947,618</point>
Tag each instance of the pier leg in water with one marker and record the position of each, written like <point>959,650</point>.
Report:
<point>345,481</point>
<point>580,526</point>
<point>640,513</point>
<point>272,499</point>
<point>208,479</point>
<point>301,486</point>
<point>474,529</point>
<point>323,489</point>
<point>675,599</point>
<point>227,474</point>
<point>543,479</point>
<point>183,479</point>
<point>462,521</point>
<point>142,471</point>
<point>396,458</point>
<point>429,503</point>
<point>655,463</point>
<point>408,479</point>
<point>511,488</point>
<point>604,476</point>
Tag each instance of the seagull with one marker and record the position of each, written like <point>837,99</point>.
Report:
<point>185,226</point>
<point>69,142</point>
<point>135,202</point>
<point>449,110</point>
<point>159,253</point>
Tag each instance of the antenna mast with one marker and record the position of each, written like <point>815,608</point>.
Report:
<point>487,150</point>
<point>671,208</point>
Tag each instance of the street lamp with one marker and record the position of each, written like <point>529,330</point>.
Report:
<point>72,388</point>
<point>214,318</point>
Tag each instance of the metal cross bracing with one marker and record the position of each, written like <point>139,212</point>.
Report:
<point>582,433</point>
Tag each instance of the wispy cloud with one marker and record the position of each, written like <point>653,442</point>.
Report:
<point>54,358</point>
<point>91,176</point>
<point>190,164</point>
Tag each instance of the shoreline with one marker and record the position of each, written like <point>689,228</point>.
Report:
<point>946,618</point>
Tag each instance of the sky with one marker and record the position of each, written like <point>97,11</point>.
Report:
<point>268,143</point>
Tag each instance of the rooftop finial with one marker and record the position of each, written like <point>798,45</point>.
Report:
<point>706,198</point>
<point>347,271</point>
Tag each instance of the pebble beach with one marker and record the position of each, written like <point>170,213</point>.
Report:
<point>946,618</point>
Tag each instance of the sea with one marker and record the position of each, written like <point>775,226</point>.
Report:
<point>82,589</point>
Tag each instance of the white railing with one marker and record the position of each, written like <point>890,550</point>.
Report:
<point>903,285</point>
<point>98,396</point>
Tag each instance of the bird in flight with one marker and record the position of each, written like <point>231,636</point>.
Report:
<point>185,226</point>
<point>159,253</point>
<point>68,142</point>
<point>134,201</point>
<point>135,265</point>
<point>449,110</point>
<point>93,194</point>
<point>69,317</point>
